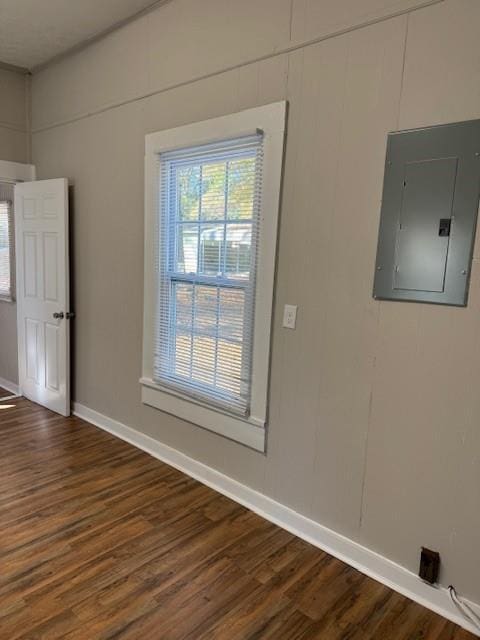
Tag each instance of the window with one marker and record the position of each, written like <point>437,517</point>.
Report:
<point>211,222</point>
<point>207,262</point>
<point>6,242</point>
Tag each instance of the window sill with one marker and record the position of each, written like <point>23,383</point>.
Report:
<point>7,299</point>
<point>247,431</point>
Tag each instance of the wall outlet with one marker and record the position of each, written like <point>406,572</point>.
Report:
<point>429,565</point>
<point>290,316</point>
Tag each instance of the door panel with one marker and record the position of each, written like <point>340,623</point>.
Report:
<point>41,212</point>
<point>30,262</point>
<point>51,266</point>
<point>52,363</point>
<point>421,256</point>
<point>32,344</point>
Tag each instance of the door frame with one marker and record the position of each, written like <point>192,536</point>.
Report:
<point>14,172</point>
<point>17,172</point>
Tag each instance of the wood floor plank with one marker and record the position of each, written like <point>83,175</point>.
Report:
<point>98,541</point>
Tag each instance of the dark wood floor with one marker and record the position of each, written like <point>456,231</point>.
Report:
<point>99,540</point>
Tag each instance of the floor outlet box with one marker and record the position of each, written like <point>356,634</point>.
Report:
<point>429,565</point>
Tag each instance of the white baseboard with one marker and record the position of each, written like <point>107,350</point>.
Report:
<point>368,562</point>
<point>9,386</point>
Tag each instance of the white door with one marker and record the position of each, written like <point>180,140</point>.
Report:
<point>41,231</point>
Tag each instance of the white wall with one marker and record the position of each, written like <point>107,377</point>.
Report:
<point>14,147</point>
<point>373,413</point>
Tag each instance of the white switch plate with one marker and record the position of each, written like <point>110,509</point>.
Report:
<point>290,316</point>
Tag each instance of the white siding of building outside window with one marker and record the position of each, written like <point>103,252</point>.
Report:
<point>232,402</point>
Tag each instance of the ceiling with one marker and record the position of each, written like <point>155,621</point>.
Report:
<point>33,32</point>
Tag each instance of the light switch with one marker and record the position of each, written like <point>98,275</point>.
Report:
<point>290,316</point>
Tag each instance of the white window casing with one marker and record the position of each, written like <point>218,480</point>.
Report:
<point>212,195</point>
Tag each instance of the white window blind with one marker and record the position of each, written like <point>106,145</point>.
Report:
<point>209,216</point>
<point>6,244</point>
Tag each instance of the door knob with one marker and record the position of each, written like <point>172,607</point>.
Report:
<point>59,316</point>
<point>69,315</point>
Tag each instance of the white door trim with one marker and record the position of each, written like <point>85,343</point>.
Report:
<point>16,171</point>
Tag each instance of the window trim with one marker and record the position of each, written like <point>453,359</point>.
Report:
<point>270,119</point>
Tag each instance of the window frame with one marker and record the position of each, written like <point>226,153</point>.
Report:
<point>270,119</point>
<point>170,277</point>
<point>10,296</point>
<point>13,172</point>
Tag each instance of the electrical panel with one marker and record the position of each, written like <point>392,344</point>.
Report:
<point>430,203</point>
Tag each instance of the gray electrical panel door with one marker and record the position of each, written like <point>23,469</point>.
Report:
<point>421,250</point>
<point>429,212</point>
